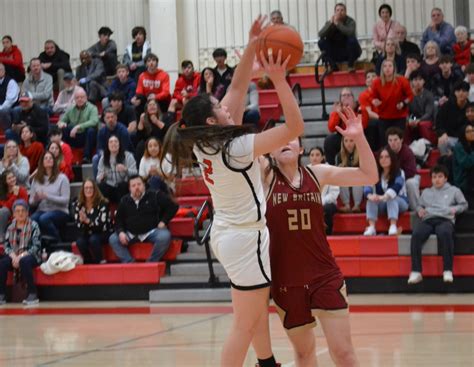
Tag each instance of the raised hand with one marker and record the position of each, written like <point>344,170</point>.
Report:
<point>274,69</point>
<point>353,123</point>
<point>257,27</point>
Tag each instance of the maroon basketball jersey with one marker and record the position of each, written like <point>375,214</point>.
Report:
<point>299,251</point>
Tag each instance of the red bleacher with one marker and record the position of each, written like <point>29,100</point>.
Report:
<point>356,223</point>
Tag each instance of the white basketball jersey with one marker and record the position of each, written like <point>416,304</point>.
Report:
<point>235,184</point>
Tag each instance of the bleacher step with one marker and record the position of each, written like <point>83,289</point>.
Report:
<point>191,279</point>
<point>430,247</point>
<point>195,269</point>
<point>190,295</point>
<point>193,256</point>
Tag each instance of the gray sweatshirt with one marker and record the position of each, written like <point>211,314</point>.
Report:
<point>439,202</point>
<point>110,174</point>
<point>58,194</point>
<point>42,89</point>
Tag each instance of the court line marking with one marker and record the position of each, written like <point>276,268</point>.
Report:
<point>83,353</point>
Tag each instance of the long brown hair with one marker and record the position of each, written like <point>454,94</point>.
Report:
<point>147,124</point>
<point>41,172</point>
<point>96,199</point>
<point>346,155</point>
<point>146,153</point>
<point>383,78</point>
<point>60,155</point>
<point>394,164</point>
<point>192,130</point>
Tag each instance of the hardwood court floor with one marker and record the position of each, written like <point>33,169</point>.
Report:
<point>406,330</point>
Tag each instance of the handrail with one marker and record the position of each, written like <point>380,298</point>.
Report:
<point>297,88</point>
<point>320,81</point>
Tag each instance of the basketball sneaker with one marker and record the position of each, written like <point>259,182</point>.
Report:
<point>415,277</point>
<point>370,231</point>
<point>32,299</point>
<point>448,276</point>
<point>392,230</point>
<point>3,300</point>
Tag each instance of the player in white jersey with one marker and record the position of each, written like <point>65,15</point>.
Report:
<point>228,154</point>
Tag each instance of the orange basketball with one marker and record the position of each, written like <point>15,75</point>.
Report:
<point>284,38</point>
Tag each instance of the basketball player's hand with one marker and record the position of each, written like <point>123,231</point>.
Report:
<point>353,122</point>
<point>276,70</point>
<point>257,27</point>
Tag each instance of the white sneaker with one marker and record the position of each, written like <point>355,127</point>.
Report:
<point>392,230</point>
<point>370,231</point>
<point>415,277</point>
<point>448,276</point>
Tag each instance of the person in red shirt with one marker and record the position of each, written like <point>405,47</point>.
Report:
<point>63,166</point>
<point>9,193</point>
<point>462,47</point>
<point>332,143</point>
<point>391,94</point>
<point>153,83</point>
<point>12,58</point>
<point>365,98</point>
<point>56,136</point>
<point>31,149</point>
<point>187,85</point>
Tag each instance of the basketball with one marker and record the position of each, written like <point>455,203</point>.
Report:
<point>284,38</point>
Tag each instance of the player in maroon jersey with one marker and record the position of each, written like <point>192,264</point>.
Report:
<point>306,281</point>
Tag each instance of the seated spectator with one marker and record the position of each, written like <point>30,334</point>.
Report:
<point>391,51</point>
<point>463,162</point>
<point>122,84</point>
<point>430,63</point>
<point>105,50</point>
<point>365,97</point>
<point>421,109</point>
<point>385,28</point>
<point>30,115</point>
<point>65,100</point>
<point>13,161</point>
<point>440,32</point>
<point>40,85</point>
<point>91,76</point>
<point>9,92</point>
<point>9,193</point>
<point>79,125</point>
<point>389,195</point>
<point>391,94</point>
<point>29,148</point>
<point>407,162</point>
<point>469,71</point>
<point>55,62</point>
<point>462,47</point>
<point>12,58</point>
<point>332,142</point>
<point>142,216</point>
<point>187,85</point>
<point>209,86</point>
<point>22,247</point>
<point>64,166</point>
<point>55,136</point>
<point>252,113</point>
<point>406,46</point>
<point>413,63</point>
<point>338,39</point>
<point>49,195</point>
<point>150,166</point>
<point>329,194</point>
<point>442,84</point>
<point>451,118</point>
<point>438,208</point>
<point>136,52</point>
<point>223,72</point>
<point>276,17</point>
<point>115,167</point>
<point>349,157</point>
<point>91,214</point>
<point>154,83</point>
<point>125,114</point>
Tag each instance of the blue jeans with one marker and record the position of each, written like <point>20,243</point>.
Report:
<point>160,237</point>
<point>95,163</point>
<point>27,264</point>
<point>86,139</point>
<point>392,207</point>
<point>90,247</point>
<point>50,222</point>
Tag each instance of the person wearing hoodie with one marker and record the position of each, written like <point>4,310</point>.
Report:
<point>438,208</point>
<point>154,83</point>
<point>136,52</point>
<point>106,50</point>
<point>40,85</point>
<point>12,58</point>
<point>122,83</point>
<point>55,62</point>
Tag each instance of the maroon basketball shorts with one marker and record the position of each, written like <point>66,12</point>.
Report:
<point>298,306</point>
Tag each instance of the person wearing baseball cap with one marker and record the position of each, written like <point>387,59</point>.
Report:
<point>65,98</point>
<point>106,50</point>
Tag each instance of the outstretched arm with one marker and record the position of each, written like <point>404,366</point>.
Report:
<point>366,173</point>
<point>234,99</point>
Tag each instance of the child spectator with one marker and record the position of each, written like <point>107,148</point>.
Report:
<point>106,50</point>
<point>115,167</point>
<point>122,83</point>
<point>463,162</point>
<point>413,63</point>
<point>91,214</point>
<point>371,132</point>
<point>223,72</point>
<point>13,160</point>
<point>150,166</point>
<point>64,167</point>
<point>12,58</point>
<point>9,193</point>
<point>348,157</point>
<point>442,84</point>
<point>49,194</point>
<point>316,156</point>
<point>389,195</point>
<point>136,52</point>
<point>209,84</point>
<point>125,114</point>
<point>391,94</point>
<point>55,135</point>
<point>187,85</point>
<point>29,148</point>
<point>438,208</point>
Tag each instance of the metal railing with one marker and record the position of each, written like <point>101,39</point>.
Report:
<point>320,80</point>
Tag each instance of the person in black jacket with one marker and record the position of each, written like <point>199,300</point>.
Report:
<point>142,216</point>
<point>55,62</point>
